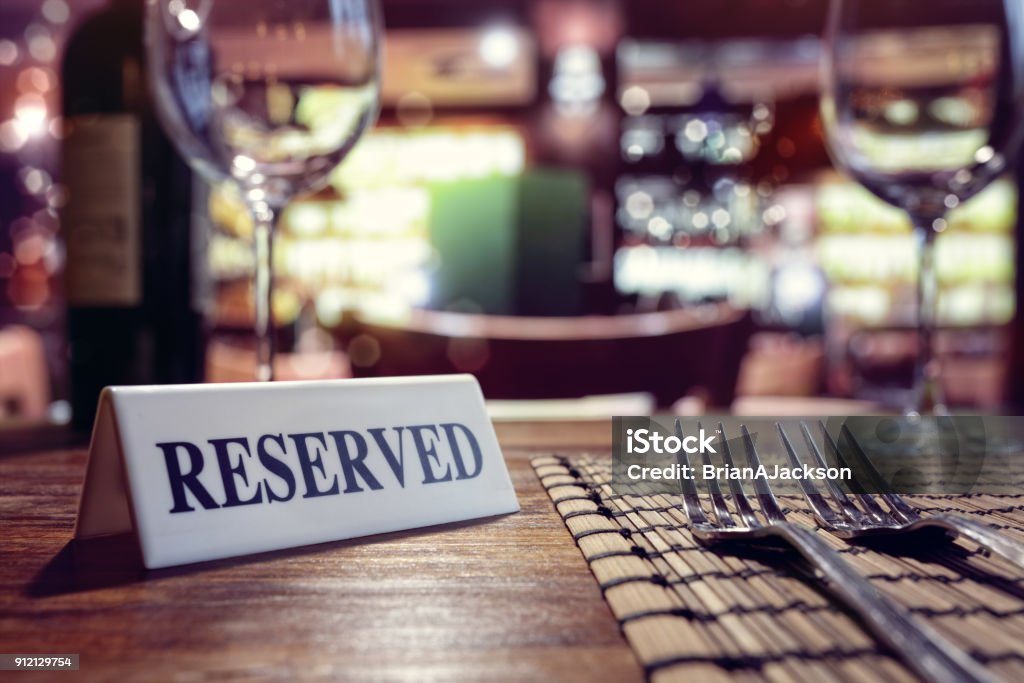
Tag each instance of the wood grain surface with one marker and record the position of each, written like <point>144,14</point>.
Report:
<point>508,598</point>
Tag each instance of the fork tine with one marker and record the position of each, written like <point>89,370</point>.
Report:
<point>868,502</point>
<point>900,510</point>
<point>817,501</point>
<point>769,504</point>
<point>840,498</point>
<point>735,486</point>
<point>691,500</point>
<point>717,499</point>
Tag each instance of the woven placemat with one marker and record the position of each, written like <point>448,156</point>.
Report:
<point>693,614</point>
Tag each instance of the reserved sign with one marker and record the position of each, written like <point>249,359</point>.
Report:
<point>202,472</point>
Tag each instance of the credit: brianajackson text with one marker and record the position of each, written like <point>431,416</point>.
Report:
<point>774,472</point>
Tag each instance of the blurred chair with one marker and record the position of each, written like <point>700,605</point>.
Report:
<point>975,382</point>
<point>669,355</point>
<point>782,365</point>
<point>24,378</point>
<point>975,362</point>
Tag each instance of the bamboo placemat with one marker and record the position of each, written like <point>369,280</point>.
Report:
<point>692,614</point>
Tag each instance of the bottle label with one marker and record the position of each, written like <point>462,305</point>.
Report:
<point>102,219</point>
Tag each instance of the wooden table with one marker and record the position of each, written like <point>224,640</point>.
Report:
<point>506,599</point>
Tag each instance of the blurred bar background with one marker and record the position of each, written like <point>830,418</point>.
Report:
<point>567,198</point>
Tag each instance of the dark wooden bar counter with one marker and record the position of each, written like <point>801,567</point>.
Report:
<point>503,599</point>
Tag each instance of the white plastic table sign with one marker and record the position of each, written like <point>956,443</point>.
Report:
<point>202,472</point>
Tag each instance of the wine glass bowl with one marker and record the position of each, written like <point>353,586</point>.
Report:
<point>271,94</point>
<point>923,108</point>
<point>916,124</point>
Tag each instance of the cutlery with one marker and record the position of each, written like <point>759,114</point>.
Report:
<point>923,650</point>
<point>871,519</point>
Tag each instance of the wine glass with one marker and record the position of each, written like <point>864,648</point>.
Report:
<point>272,94</point>
<point>922,105</point>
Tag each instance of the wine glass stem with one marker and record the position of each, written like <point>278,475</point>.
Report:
<point>265,218</point>
<point>926,396</point>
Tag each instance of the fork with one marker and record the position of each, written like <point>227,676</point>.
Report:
<point>923,650</point>
<point>872,519</point>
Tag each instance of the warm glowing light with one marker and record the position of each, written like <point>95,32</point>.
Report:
<point>640,205</point>
<point>693,274</point>
<point>775,214</point>
<point>330,306</point>
<point>30,251</point>
<point>732,155</point>
<point>902,112</point>
<point>798,288</point>
<point>307,220</point>
<point>660,228</point>
<point>413,287</point>
<point>12,136</point>
<point>371,251</point>
<point>189,20</point>
<point>696,130</point>
<point>30,114</point>
<point>635,100</point>
<point>867,241</point>
<point>721,218</point>
<point>985,155</point>
<point>386,159</point>
<point>499,47</point>
<point>578,83</point>
<point>34,79</point>
<point>28,289</point>
<point>243,164</point>
<point>956,111</point>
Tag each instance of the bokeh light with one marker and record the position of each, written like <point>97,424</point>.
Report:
<point>40,43</point>
<point>8,52</point>
<point>56,11</point>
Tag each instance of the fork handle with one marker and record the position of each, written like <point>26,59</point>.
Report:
<point>982,534</point>
<point>930,655</point>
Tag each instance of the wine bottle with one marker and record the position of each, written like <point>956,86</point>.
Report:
<point>134,307</point>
